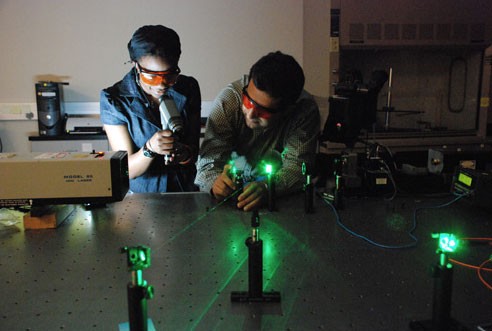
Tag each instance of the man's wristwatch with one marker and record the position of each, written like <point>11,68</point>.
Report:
<point>147,152</point>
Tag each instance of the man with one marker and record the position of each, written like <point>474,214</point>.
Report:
<point>264,117</point>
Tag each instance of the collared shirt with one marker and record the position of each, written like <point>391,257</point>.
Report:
<point>293,139</point>
<point>126,104</point>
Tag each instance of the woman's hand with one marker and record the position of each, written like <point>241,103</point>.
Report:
<point>162,142</point>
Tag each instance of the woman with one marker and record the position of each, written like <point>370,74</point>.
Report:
<point>159,160</point>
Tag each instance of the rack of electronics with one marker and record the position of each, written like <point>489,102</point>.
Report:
<point>376,170</point>
<point>410,97</point>
<point>366,167</point>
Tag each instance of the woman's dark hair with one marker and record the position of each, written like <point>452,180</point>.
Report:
<point>155,40</point>
<point>279,75</point>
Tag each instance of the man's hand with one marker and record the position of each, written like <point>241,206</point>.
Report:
<point>223,185</point>
<point>253,196</point>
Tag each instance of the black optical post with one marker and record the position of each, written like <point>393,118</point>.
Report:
<point>271,192</point>
<point>339,185</point>
<point>308,190</point>
<point>255,269</point>
<point>138,291</point>
<point>336,196</point>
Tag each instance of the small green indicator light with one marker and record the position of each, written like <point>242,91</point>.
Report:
<point>268,169</point>
<point>465,179</point>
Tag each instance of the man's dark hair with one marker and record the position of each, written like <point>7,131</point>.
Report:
<point>279,75</point>
<point>155,40</point>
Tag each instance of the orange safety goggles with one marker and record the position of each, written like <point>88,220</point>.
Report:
<point>261,111</point>
<point>155,78</point>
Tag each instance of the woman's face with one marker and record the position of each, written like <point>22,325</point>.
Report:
<point>156,75</point>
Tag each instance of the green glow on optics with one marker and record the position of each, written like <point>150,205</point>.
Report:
<point>447,242</point>
<point>143,256</point>
<point>268,169</point>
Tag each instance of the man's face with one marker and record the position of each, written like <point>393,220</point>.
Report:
<point>260,109</point>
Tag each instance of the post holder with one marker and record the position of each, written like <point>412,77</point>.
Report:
<point>138,291</point>
<point>308,191</point>
<point>255,270</point>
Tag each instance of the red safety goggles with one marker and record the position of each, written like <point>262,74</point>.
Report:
<point>261,111</point>
<point>155,78</point>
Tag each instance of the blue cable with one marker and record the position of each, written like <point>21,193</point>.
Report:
<point>410,233</point>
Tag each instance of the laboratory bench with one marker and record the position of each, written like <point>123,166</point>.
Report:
<point>366,266</point>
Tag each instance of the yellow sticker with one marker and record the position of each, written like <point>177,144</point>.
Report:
<point>80,156</point>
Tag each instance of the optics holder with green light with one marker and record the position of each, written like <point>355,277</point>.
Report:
<point>442,272</point>
<point>448,242</point>
<point>137,258</point>
<point>138,290</point>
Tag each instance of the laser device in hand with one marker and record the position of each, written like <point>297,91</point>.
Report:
<point>170,118</point>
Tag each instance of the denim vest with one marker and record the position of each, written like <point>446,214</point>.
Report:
<point>126,104</point>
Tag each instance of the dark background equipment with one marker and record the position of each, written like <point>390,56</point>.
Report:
<point>476,184</point>
<point>353,107</point>
<point>51,112</point>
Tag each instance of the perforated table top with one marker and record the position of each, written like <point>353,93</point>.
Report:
<point>75,277</point>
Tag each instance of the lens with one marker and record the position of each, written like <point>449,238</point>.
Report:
<point>154,79</point>
<point>259,110</point>
<point>150,79</point>
<point>247,102</point>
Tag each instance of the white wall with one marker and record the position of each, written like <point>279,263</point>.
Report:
<point>84,43</point>
<point>316,42</point>
<point>316,52</point>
